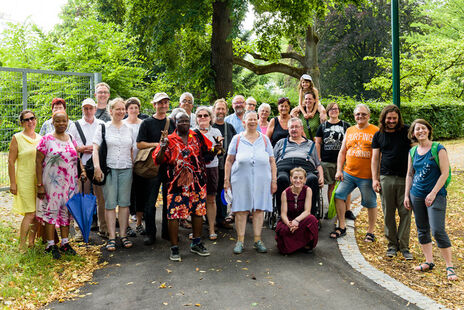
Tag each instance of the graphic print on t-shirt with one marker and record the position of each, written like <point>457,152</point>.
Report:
<point>333,137</point>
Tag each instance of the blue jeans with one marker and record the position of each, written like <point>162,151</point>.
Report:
<point>432,217</point>
<point>368,196</point>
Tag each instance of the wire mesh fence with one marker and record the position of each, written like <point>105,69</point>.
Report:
<point>34,89</point>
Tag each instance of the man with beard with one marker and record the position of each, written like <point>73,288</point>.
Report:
<point>236,119</point>
<point>227,131</point>
<point>390,148</point>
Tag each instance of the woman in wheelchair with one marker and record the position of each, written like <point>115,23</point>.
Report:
<point>297,228</point>
<point>297,151</point>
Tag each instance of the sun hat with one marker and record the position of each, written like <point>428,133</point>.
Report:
<point>306,77</point>
<point>159,96</point>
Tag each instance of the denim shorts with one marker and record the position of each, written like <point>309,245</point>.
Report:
<point>117,189</point>
<point>368,196</point>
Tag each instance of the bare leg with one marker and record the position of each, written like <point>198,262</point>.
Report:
<point>258,218</point>
<point>64,231</point>
<point>32,232</point>
<point>447,256</point>
<point>139,216</point>
<point>372,217</point>
<point>197,222</point>
<point>24,229</point>
<point>341,209</point>
<point>49,232</point>
<point>427,250</point>
<point>110,217</point>
<point>211,212</point>
<point>123,216</point>
<point>173,228</point>
<point>330,188</point>
<point>348,202</point>
<point>240,224</point>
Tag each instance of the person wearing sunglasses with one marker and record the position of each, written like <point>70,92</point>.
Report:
<point>22,177</point>
<point>354,170</point>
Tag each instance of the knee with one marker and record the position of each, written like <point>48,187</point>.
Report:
<point>311,180</point>
<point>423,236</point>
<point>442,239</point>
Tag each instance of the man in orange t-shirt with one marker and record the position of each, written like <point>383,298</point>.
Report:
<point>356,154</point>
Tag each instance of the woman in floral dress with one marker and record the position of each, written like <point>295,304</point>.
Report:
<point>56,166</point>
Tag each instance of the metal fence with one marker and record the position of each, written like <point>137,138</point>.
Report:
<point>34,89</point>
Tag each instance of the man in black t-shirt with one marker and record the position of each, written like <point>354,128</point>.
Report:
<point>390,151</point>
<point>227,131</point>
<point>148,137</point>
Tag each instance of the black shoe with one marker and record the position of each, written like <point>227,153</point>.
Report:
<point>130,232</point>
<point>349,215</point>
<point>54,250</point>
<point>175,256</point>
<point>199,249</point>
<point>67,249</point>
<point>148,240</point>
<point>391,252</point>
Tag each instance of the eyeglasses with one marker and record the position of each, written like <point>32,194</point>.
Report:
<point>361,114</point>
<point>28,119</point>
<point>103,92</point>
<point>202,115</point>
<point>251,104</point>
<point>187,101</point>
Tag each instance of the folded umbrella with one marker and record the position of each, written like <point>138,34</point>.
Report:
<point>82,207</point>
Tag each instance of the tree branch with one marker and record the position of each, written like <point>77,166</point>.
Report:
<point>290,55</point>
<point>265,69</point>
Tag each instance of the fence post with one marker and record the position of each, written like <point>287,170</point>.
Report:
<point>24,74</point>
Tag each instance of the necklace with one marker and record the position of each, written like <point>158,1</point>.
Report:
<point>295,195</point>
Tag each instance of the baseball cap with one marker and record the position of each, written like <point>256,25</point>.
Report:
<point>159,96</point>
<point>89,101</point>
<point>306,77</point>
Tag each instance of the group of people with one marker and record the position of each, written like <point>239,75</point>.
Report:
<point>203,152</point>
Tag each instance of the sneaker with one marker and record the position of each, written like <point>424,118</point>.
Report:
<point>199,249</point>
<point>349,215</point>
<point>175,256</point>
<point>130,232</point>
<point>391,252</point>
<point>67,249</point>
<point>78,236</point>
<point>407,255</point>
<point>259,246</point>
<point>54,250</point>
<point>139,230</point>
<point>238,249</point>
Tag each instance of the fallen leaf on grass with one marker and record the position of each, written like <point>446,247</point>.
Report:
<point>130,283</point>
<point>162,285</point>
<point>168,270</point>
<point>197,305</point>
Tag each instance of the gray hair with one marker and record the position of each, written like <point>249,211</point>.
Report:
<point>362,105</point>
<point>251,99</point>
<point>237,96</point>
<point>186,94</point>
<point>175,112</point>
<point>207,109</point>
<point>294,120</point>
<point>249,113</point>
<point>264,105</point>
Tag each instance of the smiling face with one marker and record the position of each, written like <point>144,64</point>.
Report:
<point>309,100</point>
<point>118,111</point>
<point>334,111</point>
<point>89,111</point>
<point>183,124</point>
<point>60,122</point>
<point>391,121</point>
<point>57,107</point>
<point>203,119</point>
<point>298,179</point>
<point>264,113</point>
<point>187,103</point>
<point>102,94</point>
<point>238,104</point>
<point>284,108</point>
<point>361,116</point>
<point>251,121</point>
<point>305,84</point>
<point>133,109</point>
<point>295,129</point>
<point>220,111</point>
<point>29,121</point>
<point>421,132</point>
<point>162,106</point>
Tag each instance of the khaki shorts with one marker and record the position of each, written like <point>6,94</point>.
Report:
<point>330,169</point>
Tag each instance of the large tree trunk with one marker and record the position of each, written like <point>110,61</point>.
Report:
<point>221,49</point>
<point>311,60</point>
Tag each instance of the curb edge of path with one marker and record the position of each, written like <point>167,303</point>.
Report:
<point>350,252</point>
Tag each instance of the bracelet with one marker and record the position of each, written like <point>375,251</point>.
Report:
<point>39,184</point>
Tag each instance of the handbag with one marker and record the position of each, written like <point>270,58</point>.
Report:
<point>332,210</point>
<point>144,165</point>
<point>102,153</point>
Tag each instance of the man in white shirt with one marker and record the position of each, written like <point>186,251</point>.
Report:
<point>83,131</point>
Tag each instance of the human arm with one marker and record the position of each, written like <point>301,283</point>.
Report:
<point>283,210</point>
<point>444,169</point>
<point>407,188</point>
<point>322,112</point>
<point>12,156</point>
<point>375,164</point>
<point>318,146</point>
<point>341,161</point>
<point>270,128</point>
<point>307,209</point>
<point>145,145</point>
<point>39,159</point>
<point>320,176</point>
<point>227,169</point>
<point>160,158</point>
<point>273,174</point>
<point>98,173</point>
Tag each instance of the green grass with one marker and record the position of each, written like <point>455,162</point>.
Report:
<point>28,278</point>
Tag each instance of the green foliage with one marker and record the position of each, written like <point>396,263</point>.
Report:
<point>445,116</point>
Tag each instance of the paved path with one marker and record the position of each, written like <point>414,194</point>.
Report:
<point>322,280</point>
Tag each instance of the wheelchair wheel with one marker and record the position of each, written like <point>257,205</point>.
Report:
<point>320,209</point>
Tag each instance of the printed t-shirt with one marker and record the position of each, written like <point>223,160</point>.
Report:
<point>359,151</point>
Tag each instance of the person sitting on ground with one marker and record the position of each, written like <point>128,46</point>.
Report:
<point>21,170</point>
<point>117,188</point>
<point>250,173</point>
<point>354,170</point>
<point>297,228</point>
<point>277,128</point>
<point>56,172</point>
<point>306,85</point>
<point>298,151</point>
<point>264,111</point>
<point>329,138</point>
<point>185,152</point>
<point>425,193</point>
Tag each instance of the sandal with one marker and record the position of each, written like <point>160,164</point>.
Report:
<point>369,238</point>
<point>450,274</point>
<point>213,237</point>
<point>429,267</point>
<point>229,219</point>
<point>111,245</point>
<point>126,243</point>
<point>184,223</point>
<point>338,232</point>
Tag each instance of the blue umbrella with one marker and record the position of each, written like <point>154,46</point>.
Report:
<point>82,208</point>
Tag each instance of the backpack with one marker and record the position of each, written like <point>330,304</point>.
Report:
<point>434,150</point>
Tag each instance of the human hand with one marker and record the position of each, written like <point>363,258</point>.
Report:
<point>13,189</point>
<point>407,203</point>
<point>311,115</point>
<point>307,115</point>
<point>83,176</point>
<point>320,180</point>
<point>227,185</point>
<point>273,187</point>
<point>98,174</point>
<point>376,186</point>
<point>339,176</point>
<point>164,138</point>
<point>323,117</point>
<point>41,192</point>
<point>430,198</point>
<point>218,146</point>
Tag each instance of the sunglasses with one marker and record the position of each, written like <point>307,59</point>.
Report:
<point>202,115</point>
<point>28,119</point>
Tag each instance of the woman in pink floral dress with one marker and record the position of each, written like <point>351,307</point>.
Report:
<point>57,161</point>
